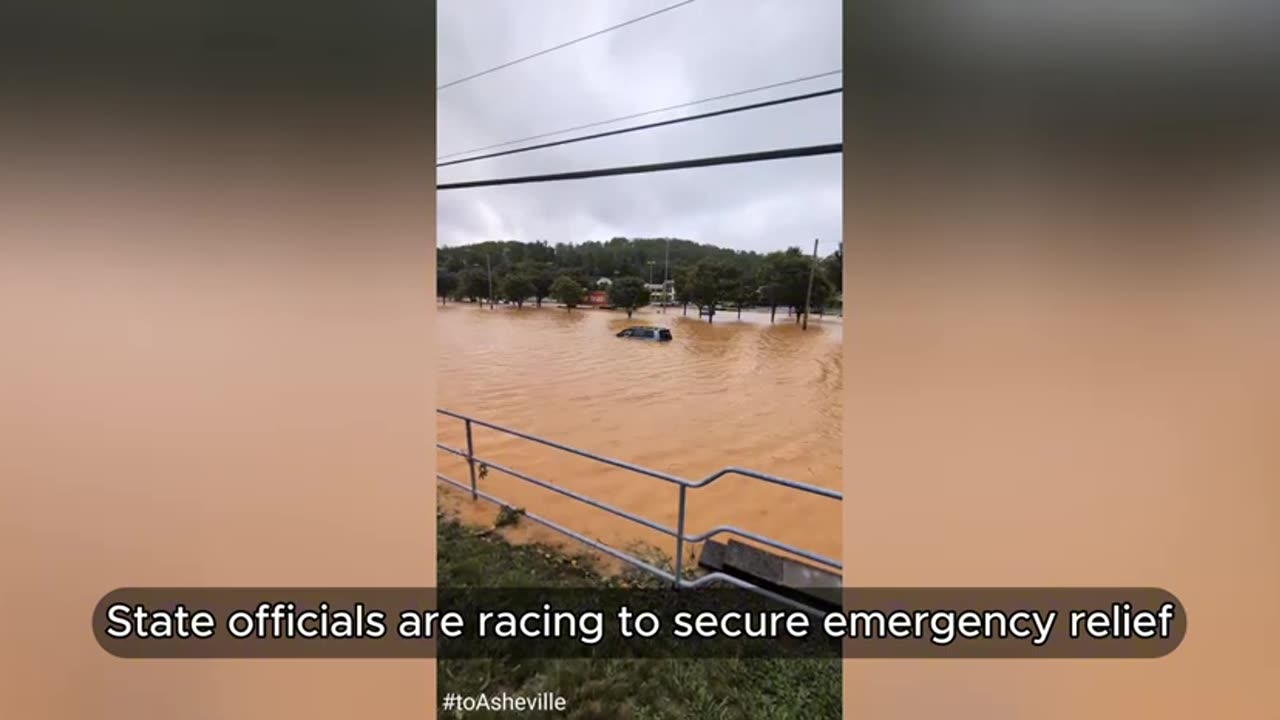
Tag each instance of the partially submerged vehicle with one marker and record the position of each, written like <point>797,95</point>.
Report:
<point>645,332</point>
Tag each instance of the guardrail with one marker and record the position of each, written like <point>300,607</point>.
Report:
<point>678,533</point>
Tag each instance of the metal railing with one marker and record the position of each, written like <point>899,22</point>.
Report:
<point>678,533</point>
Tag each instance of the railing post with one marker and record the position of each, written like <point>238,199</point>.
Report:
<point>684,489</point>
<point>471,459</point>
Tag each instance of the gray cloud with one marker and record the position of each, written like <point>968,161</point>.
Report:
<point>707,48</point>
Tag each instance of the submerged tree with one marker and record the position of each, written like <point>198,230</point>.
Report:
<point>473,284</point>
<point>833,268</point>
<point>785,277</point>
<point>683,296</point>
<point>567,291</point>
<point>628,293</point>
<point>517,288</point>
<point>542,275</point>
<point>778,279</point>
<point>711,282</point>
<point>743,292</point>
<point>446,284</point>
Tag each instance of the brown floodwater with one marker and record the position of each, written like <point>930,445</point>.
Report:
<point>748,393</point>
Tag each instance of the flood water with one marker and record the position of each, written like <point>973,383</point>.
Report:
<point>745,393</point>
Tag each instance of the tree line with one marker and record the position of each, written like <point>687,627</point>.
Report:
<point>706,276</point>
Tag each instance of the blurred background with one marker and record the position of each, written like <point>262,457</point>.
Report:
<point>215,232</point>
<point>1062,331</point>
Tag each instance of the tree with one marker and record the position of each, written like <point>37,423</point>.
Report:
<point>711,282</point>
<point>567,291</point>
<point>822,293</point>
<point>796,286</point>
<point>833,268</point>
<point>628,293</point>
<point>684,296</point>
<point>743,291</point>
<point>767,288</point>
<point>785,277</point>
<point>588,261</point>
<point>584,279</point>
<point>541,274</point>
<point>779,279</point>
<point>516,287</point>
<point>473,283</point>
<point>446,284</point>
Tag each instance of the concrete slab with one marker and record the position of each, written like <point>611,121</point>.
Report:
<point>712,555</point>
<point>754,561</point>
<point>802,581</point>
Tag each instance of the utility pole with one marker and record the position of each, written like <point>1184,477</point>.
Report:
<point>489,265</point>
<point>804,325</point>
<point>651,264</point>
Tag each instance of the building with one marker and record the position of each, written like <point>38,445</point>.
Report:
<point>662,293</point>
<point>596,298</point>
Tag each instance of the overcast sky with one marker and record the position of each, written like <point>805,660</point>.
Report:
<point>706,48</point>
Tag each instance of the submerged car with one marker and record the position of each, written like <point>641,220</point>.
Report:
<point>646,333</point>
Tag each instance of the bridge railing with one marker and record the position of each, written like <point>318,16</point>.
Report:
<point>678,533</point>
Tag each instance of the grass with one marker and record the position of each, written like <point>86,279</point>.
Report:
<point>667,689</point>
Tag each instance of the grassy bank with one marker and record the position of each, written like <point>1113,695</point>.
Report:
<point>676,689</point>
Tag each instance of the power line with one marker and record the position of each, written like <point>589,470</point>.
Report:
<point>653,167</point>
<point>649,126</point>
<point>562,45</point>
<point>646,112</point>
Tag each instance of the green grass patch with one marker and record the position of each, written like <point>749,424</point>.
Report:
<point>667,689</point>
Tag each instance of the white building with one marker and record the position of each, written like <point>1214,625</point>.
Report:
<point>661,293</point>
